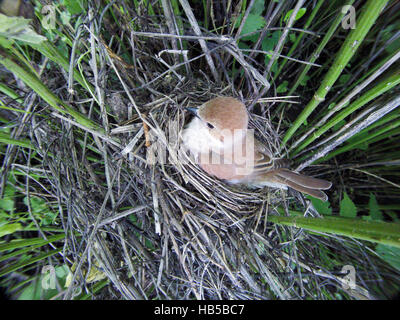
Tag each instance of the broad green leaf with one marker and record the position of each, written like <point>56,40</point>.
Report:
<point>344,78</point>
<point>7,204</point>
<point>73,6</point>
<point>282,88</point>
<point>35,290</point>
<point>269,42</point>
<point>390,254</point>
<point>9,228</point>
<point>12,24</point>
<point>6,43</point>
<point>299,14</point>
<point>18,28</point>
<point>258,7</point>
<point>347,207</point>
<point>41,210</point>
<point>29,36</point>
<point>65,17</point>
<point>253,23</point>
<point>374,211</point>
<point>323,207</point>
<point>304,80</point>
<point>37,204</point>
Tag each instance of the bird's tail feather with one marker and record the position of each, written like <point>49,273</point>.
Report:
<point>300,182</point>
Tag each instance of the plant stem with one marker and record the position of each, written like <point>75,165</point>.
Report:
<point>376,91</point>
<point>375,231</point>
<point>368,17</point>
<point>36,85</point>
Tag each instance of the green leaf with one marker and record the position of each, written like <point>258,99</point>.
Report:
<point>258,7</point>
<point>73,6</point>
<point>65,17</point>
<point>253,23</point>
<point>19,29</point>
<point>375,231</point>
<point>37,204</point>
<point>362,146</point>
<point>21,243</point>
<point>304,80</point>
<point>28,261</point>
<point>35,290</point>
<point>323,207</point>
<point>299,14</point>
<point>347,207</point>
<point>6,43</point>
<point>41,210</point>
<point>5,138</point>
<point>344,78</point>
<point>7,204</point>
<point>393,215</point>
<point>374,211</point>
<point>9,228</point>
<point>269,42</point>
<point>282,87</point>
<point>390,254</point>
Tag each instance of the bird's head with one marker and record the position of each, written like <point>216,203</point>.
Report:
<point>224,118</point>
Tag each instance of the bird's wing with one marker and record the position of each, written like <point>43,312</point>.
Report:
<point>264,161</point>
<point>276,171</point>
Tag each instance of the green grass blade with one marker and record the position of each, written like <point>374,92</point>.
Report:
<point>11,93</point>
<point>371,94</point>
<point>368,17</point>
<point>53,53</point>
<point>374,137</point>
<point>24,143</point>
<point>35,84</point>
<point>22,264</point>
<point>20,243</point>
<point>321,47</point>
<point>299,37</point>
<point>375,231</point>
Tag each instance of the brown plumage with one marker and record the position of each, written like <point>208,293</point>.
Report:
<point>223,147</point>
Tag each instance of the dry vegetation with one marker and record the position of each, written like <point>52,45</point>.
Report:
<point>164,229</point>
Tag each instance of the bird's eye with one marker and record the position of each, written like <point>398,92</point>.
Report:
<point>210,125</point>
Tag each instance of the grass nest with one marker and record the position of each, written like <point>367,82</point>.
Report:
<point>158,227</point>
<point>145,221</point>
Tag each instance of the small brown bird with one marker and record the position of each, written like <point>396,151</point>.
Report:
<point>224,147</point>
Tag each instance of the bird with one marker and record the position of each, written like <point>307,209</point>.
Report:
<point>223,146</point>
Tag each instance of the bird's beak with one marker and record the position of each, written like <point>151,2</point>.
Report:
<point>192,111</point>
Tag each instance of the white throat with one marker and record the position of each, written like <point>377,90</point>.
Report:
<point>198,140</point>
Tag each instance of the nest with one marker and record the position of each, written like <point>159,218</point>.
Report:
<point>157,226</point>
<point>153,225</point>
